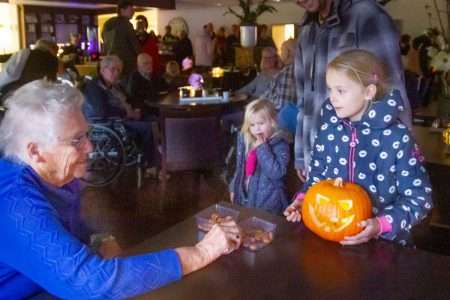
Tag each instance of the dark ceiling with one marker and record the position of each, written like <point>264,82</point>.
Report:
<point>167,4</point>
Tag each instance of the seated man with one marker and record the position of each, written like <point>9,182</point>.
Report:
<point>282,90</point>
<point>106,99</point>
<point>144,85</point>
<point>41,251</point>
<point>270,67</point>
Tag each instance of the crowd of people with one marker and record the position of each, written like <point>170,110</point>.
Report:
<point>335,101</point>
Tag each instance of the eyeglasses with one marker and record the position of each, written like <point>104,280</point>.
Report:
<point>77,142</point>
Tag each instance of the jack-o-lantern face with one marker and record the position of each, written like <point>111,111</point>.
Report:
<point>332,209</point>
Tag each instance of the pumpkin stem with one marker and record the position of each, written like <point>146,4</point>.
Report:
<point>338,182</point>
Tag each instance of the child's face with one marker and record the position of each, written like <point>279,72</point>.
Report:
<point>349,98</point>
<point>261,126</point>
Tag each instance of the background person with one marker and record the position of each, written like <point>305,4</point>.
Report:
<point>261,161</point>
<point>149,42</point>
<point>120,39</point>
<point>270,67</point>
<point>144,85</point>
<point>328,28</point>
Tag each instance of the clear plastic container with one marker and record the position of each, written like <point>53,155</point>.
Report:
<point>203,218</point>
<point>257,232</point>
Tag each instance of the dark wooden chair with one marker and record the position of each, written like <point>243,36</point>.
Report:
<point>191,139</point>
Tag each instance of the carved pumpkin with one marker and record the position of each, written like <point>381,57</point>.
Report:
<point>332,209</point>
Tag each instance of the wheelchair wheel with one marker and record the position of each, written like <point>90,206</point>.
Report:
<point>107,159</point>
<point>128,140</point>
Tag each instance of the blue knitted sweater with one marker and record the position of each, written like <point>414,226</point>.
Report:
<point>39,252</point>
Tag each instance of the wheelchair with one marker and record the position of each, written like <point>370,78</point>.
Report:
<point>114,149</point>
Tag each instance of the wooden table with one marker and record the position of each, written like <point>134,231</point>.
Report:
<point>299,265</point>
<point>172,100</point>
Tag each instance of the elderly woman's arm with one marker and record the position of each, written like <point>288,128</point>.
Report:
<point>37,246</point>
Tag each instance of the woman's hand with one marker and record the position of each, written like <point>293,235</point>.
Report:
<point>221,239</point>
<point>292,212</point>
<point>370,231</point>
<point>109,248</point>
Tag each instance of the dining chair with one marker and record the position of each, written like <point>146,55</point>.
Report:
<point>191,138</point>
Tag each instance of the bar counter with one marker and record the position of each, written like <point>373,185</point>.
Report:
<point>300,265</point>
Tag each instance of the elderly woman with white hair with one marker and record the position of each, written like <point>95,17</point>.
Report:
<point>43,138</point>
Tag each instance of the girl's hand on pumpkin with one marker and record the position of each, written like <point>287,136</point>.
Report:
<point>370,231</point>
<point>292,212</point>
<point>301,174</point>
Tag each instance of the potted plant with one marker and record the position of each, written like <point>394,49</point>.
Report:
<point>248,19</point>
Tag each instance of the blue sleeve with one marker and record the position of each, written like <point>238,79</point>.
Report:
<point>413,202</point>
<point>273,160</point>
<point>35,244</point>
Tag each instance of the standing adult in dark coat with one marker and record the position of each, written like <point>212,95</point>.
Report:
<point>330,27</point>
<point>120,39</point>
<point>183,48</point>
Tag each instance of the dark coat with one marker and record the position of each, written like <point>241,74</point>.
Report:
<point>267,188</point>
<point>98,102</point>
<point>141,89</point>
<point>120,39</point>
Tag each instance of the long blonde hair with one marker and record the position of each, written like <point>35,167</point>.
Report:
<point>364,68</point>
<point>263,106</point>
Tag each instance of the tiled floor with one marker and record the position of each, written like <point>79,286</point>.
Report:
<point>135,215</point>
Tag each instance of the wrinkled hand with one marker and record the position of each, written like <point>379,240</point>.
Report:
<point>110,248</point>
<point>301,174</point>
<point>292,212</point>
<point>221,239</point>
<point>370,231</point>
